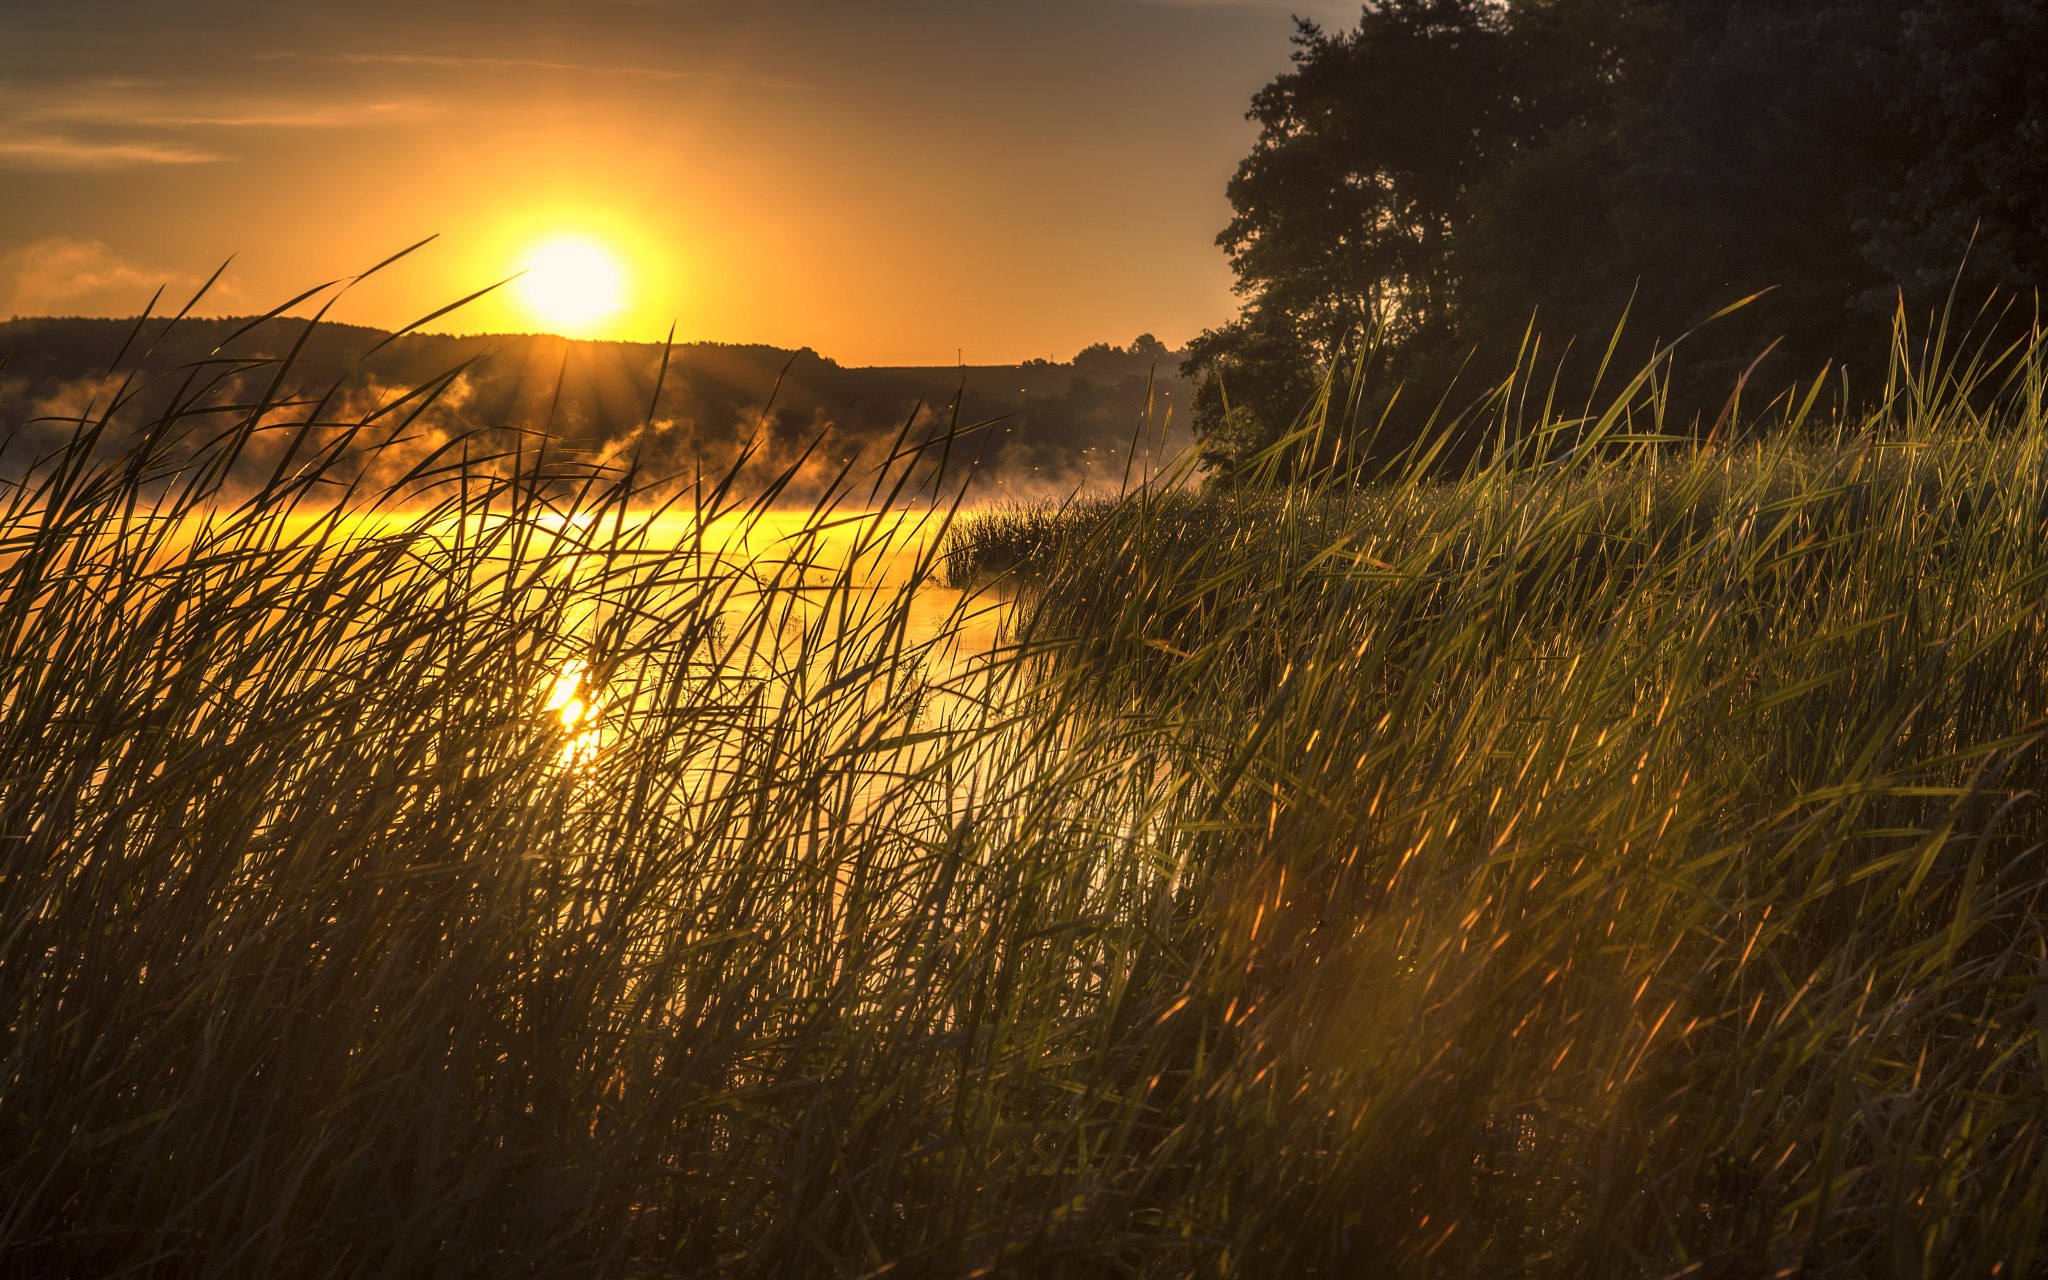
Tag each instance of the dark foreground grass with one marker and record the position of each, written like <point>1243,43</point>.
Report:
<point>1622,861</point>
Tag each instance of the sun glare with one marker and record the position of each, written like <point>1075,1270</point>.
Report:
<point>569,283</point>
<point>577,704</point>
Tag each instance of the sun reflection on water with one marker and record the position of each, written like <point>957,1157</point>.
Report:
<point>577,703</point>
<point>800,584</point>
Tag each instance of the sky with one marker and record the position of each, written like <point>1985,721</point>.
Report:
<point>884,181</point>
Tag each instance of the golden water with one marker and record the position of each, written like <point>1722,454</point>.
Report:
<point>810,575</point>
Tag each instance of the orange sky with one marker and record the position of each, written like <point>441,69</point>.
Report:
<point>886,181</point>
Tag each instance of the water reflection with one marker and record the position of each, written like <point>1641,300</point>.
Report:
<point>804,607</point>
<point>577,704</point>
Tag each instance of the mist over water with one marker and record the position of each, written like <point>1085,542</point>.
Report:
<point>794,421</point>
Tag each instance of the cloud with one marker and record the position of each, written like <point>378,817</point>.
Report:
<point>535,64</point>
<point>338,116</point>
<point>69,156</point>
<point>65,276</point>
<point>522,64</point>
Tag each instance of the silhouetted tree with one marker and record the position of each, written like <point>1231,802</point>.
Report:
<point>1739,164</point>
<point>1349,205</point>
<point>1147,347</point>
<point>1968,83</point>
<point>1435,177</point>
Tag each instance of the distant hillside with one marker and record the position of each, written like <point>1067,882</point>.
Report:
<point>1059,425</point>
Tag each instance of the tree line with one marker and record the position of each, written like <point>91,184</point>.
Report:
<point>1037,429</point>
<point>1452,179</point>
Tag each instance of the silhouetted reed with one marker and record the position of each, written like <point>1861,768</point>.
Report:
<point>1621,859</point>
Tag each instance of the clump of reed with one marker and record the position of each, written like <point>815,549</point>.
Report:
<point>1024,541</point>
<point>1623,858</point>
<point>1619,860</point>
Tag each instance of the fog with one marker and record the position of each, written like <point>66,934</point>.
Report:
<point>793,422</point>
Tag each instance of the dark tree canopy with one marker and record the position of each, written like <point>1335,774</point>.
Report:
<point>1971,81</point>
<point>1427,182</point>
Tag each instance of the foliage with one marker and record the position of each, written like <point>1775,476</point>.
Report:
<point>1348,206</point>
<point>1658,159</point>
<point>1970,93</point>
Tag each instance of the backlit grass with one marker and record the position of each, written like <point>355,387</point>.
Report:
<point>1620,860</point>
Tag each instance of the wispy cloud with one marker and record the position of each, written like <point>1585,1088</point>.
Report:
<point>536,64</point>
<point>337,116</point>
<point>71,156</point>
<point>521,64</point>
<point>81,132</point>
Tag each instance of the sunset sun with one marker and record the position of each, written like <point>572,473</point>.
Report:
<point>571,282</point>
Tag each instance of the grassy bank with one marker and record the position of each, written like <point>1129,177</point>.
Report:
<point>1623,860</point>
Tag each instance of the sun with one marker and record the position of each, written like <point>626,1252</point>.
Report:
<point>571,282</point>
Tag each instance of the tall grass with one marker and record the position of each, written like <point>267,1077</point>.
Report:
<point>1620,860</point>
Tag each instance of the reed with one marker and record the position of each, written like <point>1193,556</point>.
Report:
<point>1621,859</point>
